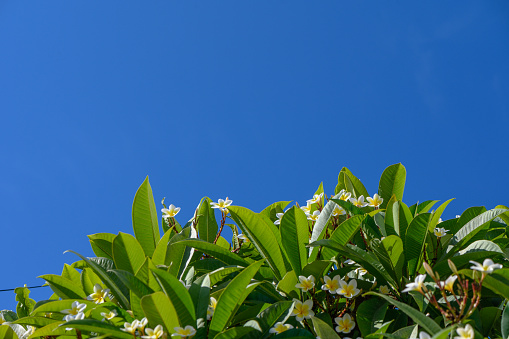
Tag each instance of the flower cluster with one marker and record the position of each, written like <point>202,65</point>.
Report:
<point>75,312</point>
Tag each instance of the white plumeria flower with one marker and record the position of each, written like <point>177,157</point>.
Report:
<point>99,294</point>
<point>155,333</point>
<point>303,310</point>
<point>359,202</point>
<point>28,332</point>
<point>488,266</point>
<point>185,332</point>
<point>349,290</point>
<point>280,327</point>
<point>466,332</point>
<point>142,323</point>
<point>69,317</point>
<point>440,232</point>
<point>279,216</point>
<point>221,204</point>
<point>376,201</point>
<point>76,308</point>
<point>331,285</point>
<point>316,199</point>
<point>338,210</point>
<point>448,284</point>
<point>110,315</point>
<point>345,324</point>
<point>440,220</point>
<point>314,216</point>
<point>130,327</point>
<point>424,335</point>
<point>416,285</point>
<point>344,195</point>
<point>384,289</point>
<point>457,215</point>
<point>307,208</point>
<point>360,272</point>
<point>349,262</point>
<point>185,285</point>
<point>2,319</point>
<point>243,237</point>
<point>212,307</point>
<point>306,284</point>
<point>170,212</point>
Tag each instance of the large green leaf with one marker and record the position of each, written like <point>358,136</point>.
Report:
<point>25,304</point>
<point>145,224</point>
<point>384,257</point>
<point>470,229</point>
<point>392,182</point>
<point>216,251</point>
<point>134,284</point>
<point>178,295</point>
<point>160,311</point>
<point>349,182</point>
<point>489,316</point>
<point>323,329</point>
<point>268,317</point>
<point>394,247</point>
<point>128,254</point>
<point>231,298</point>
<point>259,231</point>
<point>178,254</point>
<point>370,315</point>
<point>319,227</point>
<point>235,333</point>
<point>63,287</point>
<point>60,305</point>
<point>505,322</point>
<point>200,294</point>
<point>415,239</point>
<point>277,207</point>
<point>206,224</point>
<point>161,251</point>
<point>92,325</point>
<point>294,227</point>
<point>437,214</point>
<point>7,333</point>
<point>426,323</point>
<point>115,289</point>
<point>102,244</point>
<point>343,234</point>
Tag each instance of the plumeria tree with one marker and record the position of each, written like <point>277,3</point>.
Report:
<point>343,265</point>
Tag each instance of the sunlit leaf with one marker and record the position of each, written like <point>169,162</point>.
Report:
<point>145,224</point>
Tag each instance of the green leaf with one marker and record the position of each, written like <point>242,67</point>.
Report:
<point>234,333</point>
<point>145,224</point>
<point>161,251</point>
<point>426,323</point>
<point>178,295</point>
<point>57,306</point>
<point>384,258</point>
<point>63,287</point>
<point>216,251</point>
<point>262,236</point>
<point>505,322</point>
<point>287,285</point>
<point>178,254</point>
<point>437,214</point>
<point>294,226</point>
<point>370,315</point>
<point>231,298</point>
<point>277,207</point>
<point>349,182</point>
<point>52,329</point>
<point>206,224</point>
<point>25,304</point>
<point>35,321</point>
<point>107,280</point>
<point>134,284</point>
<point>415,239</point>
<point>160,311</point>
<point>392,182</point>
<point>344,233</point>
<point>71,273</point>
<point>489,316</point>
<point>320,225</point>
<point>394,247</point>
<point>102,244</point>
<point>279,311</point>
<point>200,294</point>
<point>128,254</point>
<point>218,275</point>
<point>323,329</point>
<point>92,325</point>
<point>7,333</point>
<point>425,206</point>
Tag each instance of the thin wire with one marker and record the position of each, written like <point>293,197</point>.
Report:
<point>12,289</point>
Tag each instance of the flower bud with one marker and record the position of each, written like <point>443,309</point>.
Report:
<point>452,266</point>
<point>429,270</point>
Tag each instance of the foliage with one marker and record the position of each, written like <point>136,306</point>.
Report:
<point>344,265</point>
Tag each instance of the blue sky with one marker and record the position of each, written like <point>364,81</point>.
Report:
<point>256,100</point>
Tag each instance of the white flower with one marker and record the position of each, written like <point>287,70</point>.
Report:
<point>142,323</point>
<point>243,237</point>
<point>185,285</point>
<point>344,195</point>
<point>384,289</point>
<point>170,212</point>
<point>130,327</point>
<point>153,333</point>
<point>279,327</point>
<point>331,285</point>
<point>316,199</point>
<point>488,266</point>
<point>375,201</point>
<point>440,232</point>
<point>440,220</point>
<point>448,285</point>
<point>314,216</point>
<point>28,332</point>
<point>349,262</point>
<point>424,335</point>
<point>303,310</point>
<point>457,215</point>
<point>69,317</point>
<point>349,290</point>
<point>359,202</point>
<point>306,284</point>
<point>279,216</point>
<point>417,285</point>
<point>109,315</point>
<point>360,271</point>
<point>76,308</point>
<point>345,324</point>
<point>99,294</point>
<point>466,332</point>
<point>2,320</point>
<point>212,307</point>
<point>337,211</point>
<point>307,208</point>
<point>221,204</point>
<point>188,331</point>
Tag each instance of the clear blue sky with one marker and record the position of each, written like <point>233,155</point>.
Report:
<point>256,100</point>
